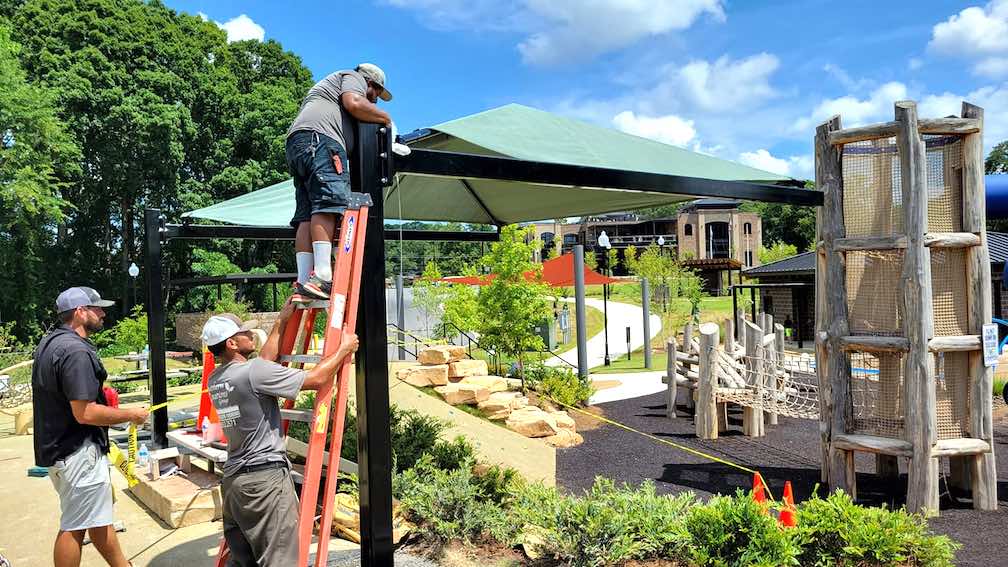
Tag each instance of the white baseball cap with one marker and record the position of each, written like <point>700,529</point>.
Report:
<point>374,74</point>
<point>220,328</point>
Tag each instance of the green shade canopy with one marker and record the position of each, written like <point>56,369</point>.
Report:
<point>519,132</point>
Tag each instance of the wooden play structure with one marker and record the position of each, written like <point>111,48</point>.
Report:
<point>903,289</point>
<point>753,373</point>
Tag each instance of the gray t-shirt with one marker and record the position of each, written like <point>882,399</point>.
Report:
<point>322,112</point>
<point>245,396</point>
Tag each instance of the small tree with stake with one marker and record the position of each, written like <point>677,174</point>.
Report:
<point>512,305</point>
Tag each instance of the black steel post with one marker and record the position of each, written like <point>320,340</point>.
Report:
<point>156,324</point>
<point>752,300</point>
<point>374,437</point>
<point>628,343</point>
<point>801,315</point>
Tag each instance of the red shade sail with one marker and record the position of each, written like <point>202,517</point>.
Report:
<point>557,272</point>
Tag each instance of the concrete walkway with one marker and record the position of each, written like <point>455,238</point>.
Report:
<point>620,316</point>
<point>632,385</point>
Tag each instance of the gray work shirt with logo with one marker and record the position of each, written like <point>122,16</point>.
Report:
<point>245,397</point>
<point>322,112</point>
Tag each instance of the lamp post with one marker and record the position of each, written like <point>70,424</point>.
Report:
<point>661,252</point>
<point>603,242</point>
<point>133,271</point>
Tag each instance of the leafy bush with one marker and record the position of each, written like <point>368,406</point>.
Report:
<point>838,531</point>
<point>128,335</point>
<point>735,532</point>
<point>560,384</point>
<point>446,505</point>
<point>609,525</point>
<point>455,454</point>
<point>495,483</point>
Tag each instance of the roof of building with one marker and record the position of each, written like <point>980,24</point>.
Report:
<point>712,203</point>
<point>804,263</point>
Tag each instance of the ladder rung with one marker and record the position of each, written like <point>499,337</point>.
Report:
<point>304,415</point>
<point>317,304</point>
<point>302,358</point>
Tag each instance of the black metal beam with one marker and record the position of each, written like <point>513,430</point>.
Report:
<point>374,444</point>
<point>471,166</point>
<point>156,324</point>
<point>230,279</point>
<point>210,231</point>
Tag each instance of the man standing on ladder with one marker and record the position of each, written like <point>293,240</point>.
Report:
<point>318,143</point>
<point>260,503</point>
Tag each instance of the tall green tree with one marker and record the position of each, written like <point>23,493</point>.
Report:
<point>166,113</point>
<point>36,155</point>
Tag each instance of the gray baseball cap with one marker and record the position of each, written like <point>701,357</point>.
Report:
<point>374,74</point>
<point>79,297</point>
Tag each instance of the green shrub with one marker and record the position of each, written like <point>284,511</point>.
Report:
<point>128,335</point>
<point>413,435</point>
<point>559,384</point>
<point>836,531</point>
<point>497,484</point>
<point>446,506</point>
<point>455,454</point>
<point>608,525</point>
<point>735,532</point>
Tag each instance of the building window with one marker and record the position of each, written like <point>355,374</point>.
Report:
<point>747,228</point>
<point>748,258</point>
<point>688,230</point>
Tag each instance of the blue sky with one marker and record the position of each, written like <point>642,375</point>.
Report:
<point>742,80</point>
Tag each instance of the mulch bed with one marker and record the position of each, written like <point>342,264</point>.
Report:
<point>789,451</point>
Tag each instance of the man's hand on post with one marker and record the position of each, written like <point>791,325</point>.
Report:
<point>138,415</point>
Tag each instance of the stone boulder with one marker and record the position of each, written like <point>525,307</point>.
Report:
<point>500,404</point>
<point>420,376</point>
<point>565,438</point>
<point>441,354</point>
<point>531,421</point>
<point>563,420</point>
<point>464,368</point>
<point>456,394</point>
<point>492,383</point>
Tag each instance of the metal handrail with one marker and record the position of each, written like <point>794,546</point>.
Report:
<point>419,340</point>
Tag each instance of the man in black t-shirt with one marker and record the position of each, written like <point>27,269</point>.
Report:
<point>71,427</point>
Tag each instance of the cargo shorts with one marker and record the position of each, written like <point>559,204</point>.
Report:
<point>84,485</point>
<point>321,174</point>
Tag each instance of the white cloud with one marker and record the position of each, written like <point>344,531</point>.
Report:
<point>878,106</point>
<point>580,30</point>
<point>993,99</point>
<point>242,27</point>
<point>725,83</point>
<point>915,63</point>
<point>202,16</point>
<point>566,31</point>
<point>976,33</point>
<point>795,166</point>
<point>669,129</point>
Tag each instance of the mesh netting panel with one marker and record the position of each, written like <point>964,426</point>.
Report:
<point>877,394</point>
<point>872,200</point>
<point>948,288</point>
<point>952,383</point>
<point>872,292</point>
<point>785,385</point>
<point>944,183</point>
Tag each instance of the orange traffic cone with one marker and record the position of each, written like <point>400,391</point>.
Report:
<point>206,408</point>
<point>787,513</point>
<point>758,492</point>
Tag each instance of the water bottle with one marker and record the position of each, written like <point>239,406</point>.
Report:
<point>142,455</point>
<point>205,428</point>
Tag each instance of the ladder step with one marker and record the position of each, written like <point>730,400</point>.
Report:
<point>303,415</point>
<point>317,304</point>
<point>302,358</point>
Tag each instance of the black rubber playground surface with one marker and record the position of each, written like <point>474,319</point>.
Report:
<point>789,451</point>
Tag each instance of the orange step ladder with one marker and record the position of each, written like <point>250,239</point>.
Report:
<point>330,400</point>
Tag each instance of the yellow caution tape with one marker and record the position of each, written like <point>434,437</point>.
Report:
<point>123,464</point>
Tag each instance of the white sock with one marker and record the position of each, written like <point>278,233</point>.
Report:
<point>305,261</point>
<point>323,260</point>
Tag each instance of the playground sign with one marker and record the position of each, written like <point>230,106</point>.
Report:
<point>990,344</point>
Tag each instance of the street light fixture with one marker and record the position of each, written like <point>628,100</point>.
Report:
<point>133,271</point>
<point>603,242</point>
